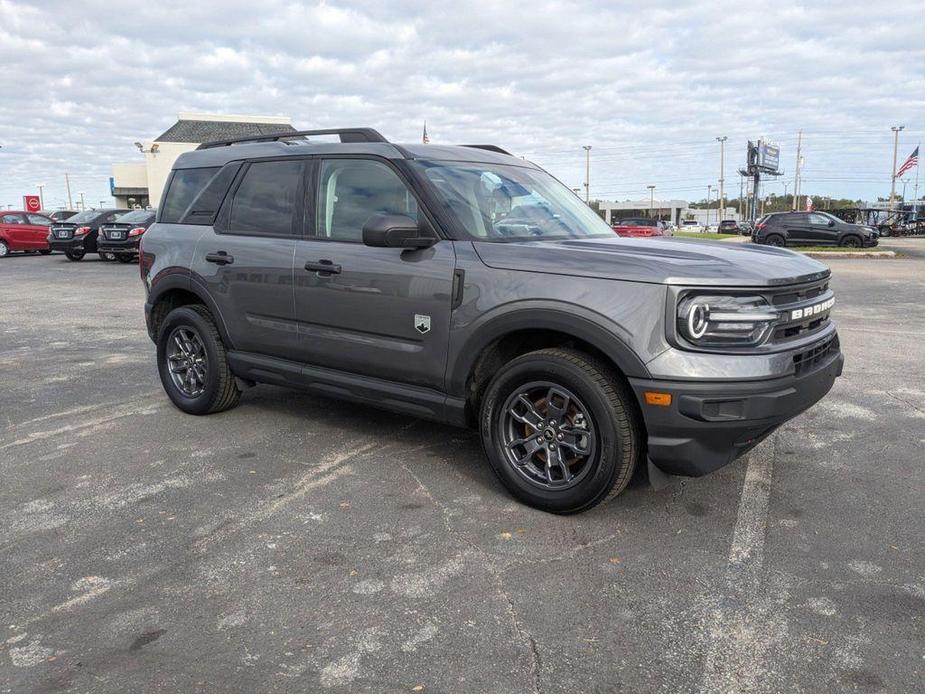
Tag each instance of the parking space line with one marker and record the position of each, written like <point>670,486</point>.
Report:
<point>733,639</point>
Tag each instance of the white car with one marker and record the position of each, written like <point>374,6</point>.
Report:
<point>691,225</point>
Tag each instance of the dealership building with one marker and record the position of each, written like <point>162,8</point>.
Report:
<point>671,211</point>
<point>141,183</point>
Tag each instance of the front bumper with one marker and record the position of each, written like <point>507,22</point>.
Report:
<point>710,424</point>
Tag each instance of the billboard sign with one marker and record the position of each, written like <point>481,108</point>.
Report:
<point>31,203</point>
<point>768,157</point>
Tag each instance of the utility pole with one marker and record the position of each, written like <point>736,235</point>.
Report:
<point>896,130</point>
<point>796,175</point>
<point>67,184</point>
<point>722,174</point>
<point>587,149</point>
<point>41,187</point>
<point>651,198</point>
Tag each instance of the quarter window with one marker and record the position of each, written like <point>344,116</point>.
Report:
<point>265,202</point>
<point>185,185</point>
<point>350,191</point>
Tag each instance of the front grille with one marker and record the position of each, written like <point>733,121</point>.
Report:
<point>794,300</point>
<point>815,355</point>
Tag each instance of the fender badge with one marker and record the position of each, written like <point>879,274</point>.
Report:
<point>421,323</point>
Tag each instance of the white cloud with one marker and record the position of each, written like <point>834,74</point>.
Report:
<point>649,85</point>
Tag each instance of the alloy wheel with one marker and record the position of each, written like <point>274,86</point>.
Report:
<point>187,362</point>
<point>548,436</point>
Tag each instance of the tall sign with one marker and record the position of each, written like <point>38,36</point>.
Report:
<point>31,203</point>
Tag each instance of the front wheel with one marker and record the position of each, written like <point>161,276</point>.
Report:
<point>850,242</point>
<point>192,362</point>
<point>75,255</point>
<point>560,430</point>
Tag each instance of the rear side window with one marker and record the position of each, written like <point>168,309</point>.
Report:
<point>185,185</point>
<point>265,201</point>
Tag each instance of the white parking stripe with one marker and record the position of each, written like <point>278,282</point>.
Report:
<point>735,640</point>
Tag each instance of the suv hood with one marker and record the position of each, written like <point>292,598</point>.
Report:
<point>659,260</point>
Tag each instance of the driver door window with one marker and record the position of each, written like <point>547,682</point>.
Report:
<point>350,191</point>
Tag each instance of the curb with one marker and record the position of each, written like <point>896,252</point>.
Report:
<point>859,254</point>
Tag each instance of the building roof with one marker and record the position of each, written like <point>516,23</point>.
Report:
<point>199,131</point>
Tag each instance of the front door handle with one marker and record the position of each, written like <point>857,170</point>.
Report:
<point>324,266</point>
<point>219,258</point>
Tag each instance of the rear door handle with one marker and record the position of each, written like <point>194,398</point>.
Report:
<point>219,258</point>
<point>323,265</point>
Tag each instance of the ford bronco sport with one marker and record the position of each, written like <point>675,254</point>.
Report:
<point>466,285</point>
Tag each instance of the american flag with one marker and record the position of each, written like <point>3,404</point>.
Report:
<point>426,140</point>
<point>913,160</point>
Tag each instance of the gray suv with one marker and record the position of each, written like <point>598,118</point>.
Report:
<point>468,286</point>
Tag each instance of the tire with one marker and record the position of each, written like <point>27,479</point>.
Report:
<point>4,249</point>
<point>775,240</point>
<point>75,255</point>
<point>125,258</point>
<point>213,388</point>
<point>46,251</point>
<point>613,441</point>
<point>851,241</point>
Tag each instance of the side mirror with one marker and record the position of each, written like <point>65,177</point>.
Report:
<point>831,222</point>
<point>395,231</point>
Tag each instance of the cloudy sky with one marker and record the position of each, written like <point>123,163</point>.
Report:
<point>649,85</point>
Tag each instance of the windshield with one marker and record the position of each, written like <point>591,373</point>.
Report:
<point>137,216</point>
<point>495,202</point>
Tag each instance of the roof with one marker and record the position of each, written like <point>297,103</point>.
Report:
<point>199,131</point>
<point>219,156</point>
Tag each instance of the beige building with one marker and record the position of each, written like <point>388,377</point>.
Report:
<point>141,183</point>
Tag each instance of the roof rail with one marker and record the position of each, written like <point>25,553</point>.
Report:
<point>490,148</point>
<point>346,135</point>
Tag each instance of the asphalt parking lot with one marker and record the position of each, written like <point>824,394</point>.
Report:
<point>300,544</point>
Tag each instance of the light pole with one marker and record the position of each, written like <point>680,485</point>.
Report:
<point>587,149</point>
<point>709,191</point>
<point>41,186</point>
<point>83,205</point>
<point>905,181</point>
<point>651,198</point>
<point>722,175</point>
<point>896,130</point>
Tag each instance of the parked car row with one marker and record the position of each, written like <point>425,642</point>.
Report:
<point>112,233</point>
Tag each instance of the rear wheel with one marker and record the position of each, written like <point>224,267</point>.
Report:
<point>560,430</point>
<point>775,240</point>
<point>4,249</point>
<point>851,242</point>
<point>192,362</point>
<point>75,255</point>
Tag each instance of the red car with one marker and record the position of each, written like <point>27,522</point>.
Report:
<point>641,227</point>
<point>23,231</point>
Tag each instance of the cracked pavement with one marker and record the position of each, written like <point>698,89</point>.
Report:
<point>302,544</point>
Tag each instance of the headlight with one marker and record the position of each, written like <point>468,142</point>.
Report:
<point>724,321</point>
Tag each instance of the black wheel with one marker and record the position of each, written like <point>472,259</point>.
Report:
<point>850,242</point>
<point>4,249</point>
<point>75,255</point>
<point>560,430</point>
<point>775,240</point>
<point>125,258</point>
<point>46,251</point>
<point>192,363</point>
